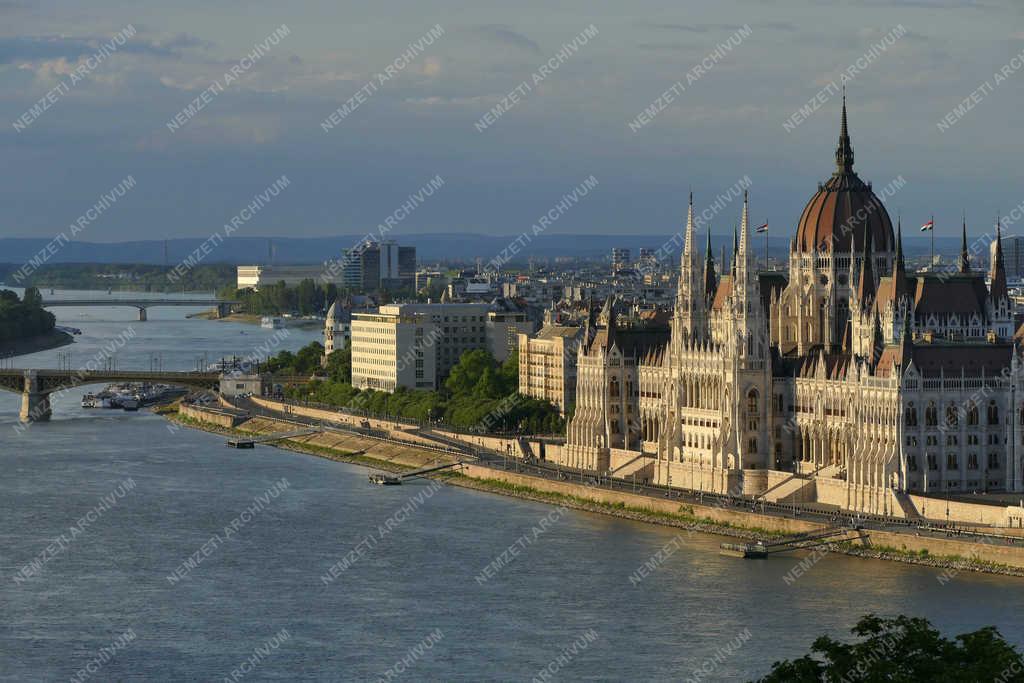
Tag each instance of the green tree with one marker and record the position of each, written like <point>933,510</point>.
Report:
<point>468,372</point>
<point>904,649</point>
<point>339,364</point>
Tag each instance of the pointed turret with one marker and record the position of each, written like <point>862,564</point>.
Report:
<point>743,251</point>
<point>735,249</point>
<point>688,238</point>
<point>998,289</point>
<point>710,280</point>
<point>964,263</point>
<point>899,270</point>
<point>877,340</point>
<point>690,298</point>
<point>866,283</point>
<point>844,151</point>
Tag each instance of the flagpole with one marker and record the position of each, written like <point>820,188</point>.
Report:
<point>931,265</point>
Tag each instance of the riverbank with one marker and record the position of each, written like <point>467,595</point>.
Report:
<point>950,555</point>
<point>253,319</point>
<point>51,340</point>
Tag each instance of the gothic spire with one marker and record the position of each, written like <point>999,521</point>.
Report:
<point>899,269</point>
<point>744,228</point>
<point>688,244</point>
<point>998,290</point>
<point>866,286</point>
<point>735,249</point>
<point>710,281</point>
<point>965,261</point>
<point>844,151</point>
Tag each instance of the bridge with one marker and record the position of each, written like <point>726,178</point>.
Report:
<point>35,386</point>
<point>223,306</point>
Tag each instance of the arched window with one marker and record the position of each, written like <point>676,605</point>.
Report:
<point>952,415</point>
<point>613,387</point>
<point>972,414</point>
<point>931,415</point>
<point>752,446</point>
<point>993,413</point>
<point>911,415</point>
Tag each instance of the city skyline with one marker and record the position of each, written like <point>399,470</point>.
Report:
<point>627,103</point>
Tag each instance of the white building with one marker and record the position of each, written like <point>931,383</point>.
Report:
<point>414,345</point>
<point>254,277</point>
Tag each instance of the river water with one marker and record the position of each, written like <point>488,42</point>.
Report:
<point>133,551</point>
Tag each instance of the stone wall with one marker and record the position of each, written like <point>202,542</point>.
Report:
<point>714,513</point>
<point>686,475</point>
<point>968,513</point>
<point>211,416</point>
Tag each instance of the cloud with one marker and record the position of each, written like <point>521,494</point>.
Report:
<point>500,33</point>
<point>435,100</point>
<point>21,49</point>
<point>707,28</point>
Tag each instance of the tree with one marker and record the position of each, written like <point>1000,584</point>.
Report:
<point>339,364</point>
<point>904,649</point>
<point>468,372</point>
<point>23,318</point>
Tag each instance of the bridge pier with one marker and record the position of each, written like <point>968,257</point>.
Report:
<point>35,404</point>
<point>142,314</point>
<point>223,310</point>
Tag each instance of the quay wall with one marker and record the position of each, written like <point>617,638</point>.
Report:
<point>693,476</point>
<point>217,417</point>
<point>718,514</point>
<point>996,552</point>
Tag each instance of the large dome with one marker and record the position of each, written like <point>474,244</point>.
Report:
<point>840,214</point>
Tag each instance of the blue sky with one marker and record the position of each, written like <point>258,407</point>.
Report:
<point>727,124</point>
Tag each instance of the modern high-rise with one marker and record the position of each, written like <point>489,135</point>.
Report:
<point>371,266</point>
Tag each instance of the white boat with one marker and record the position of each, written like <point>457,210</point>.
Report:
<point>269,323</point>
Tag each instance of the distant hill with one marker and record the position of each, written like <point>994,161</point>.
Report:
<point>430,247</point>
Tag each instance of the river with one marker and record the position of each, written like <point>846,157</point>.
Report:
<point>184,560</point>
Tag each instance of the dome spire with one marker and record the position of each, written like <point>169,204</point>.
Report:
<point>844,152</point>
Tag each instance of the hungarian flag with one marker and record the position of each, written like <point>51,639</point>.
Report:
<point>762,228</point>
<point>928,226</point>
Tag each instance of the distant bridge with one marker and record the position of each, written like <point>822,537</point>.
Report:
<point>223,306</point>
<point>35,386</point>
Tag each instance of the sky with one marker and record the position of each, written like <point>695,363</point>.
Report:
<point>910,64</point>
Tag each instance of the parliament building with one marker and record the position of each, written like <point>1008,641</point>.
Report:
<point>849,380</point>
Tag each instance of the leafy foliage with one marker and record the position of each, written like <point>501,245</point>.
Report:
<point>479,393</point>
<point>132,276</point>
<point>904,649</point>
<point>306,361</point>
<point>23,317</point>
<point>306,298</point>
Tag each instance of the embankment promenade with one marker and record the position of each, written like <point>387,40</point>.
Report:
<point>952,554</point>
